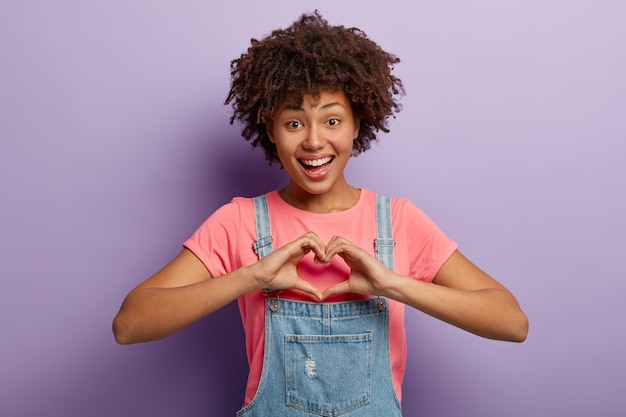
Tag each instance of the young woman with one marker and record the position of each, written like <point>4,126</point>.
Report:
<point>321,269</point>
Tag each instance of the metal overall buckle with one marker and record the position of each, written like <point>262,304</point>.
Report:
<point>268,293</point>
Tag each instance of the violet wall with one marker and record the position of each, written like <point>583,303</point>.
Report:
<point>115,145</point>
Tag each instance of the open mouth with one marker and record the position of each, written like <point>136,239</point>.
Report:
<point>316,164</point>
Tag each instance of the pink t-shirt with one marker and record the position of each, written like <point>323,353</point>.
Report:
<point>224,243</point>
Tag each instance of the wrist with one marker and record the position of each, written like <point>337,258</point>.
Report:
<point>255,277</point>
<point>397,287</point>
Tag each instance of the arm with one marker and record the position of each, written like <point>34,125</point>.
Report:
<point>461,294</point>
<point>176,296</point>
<point>184,290</point>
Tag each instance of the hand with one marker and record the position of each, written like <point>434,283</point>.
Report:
<point>368,275</point>
<point>278,269</point>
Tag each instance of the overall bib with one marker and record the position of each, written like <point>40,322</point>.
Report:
<point>326,359</point>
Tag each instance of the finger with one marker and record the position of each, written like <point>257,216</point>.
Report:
<point>337,241</point>
<point>311,241</point>
<point>339,288</point>
<point>308,288</point>
<point>332,248</point>
<point>296,249</point>
<point>343,248</point>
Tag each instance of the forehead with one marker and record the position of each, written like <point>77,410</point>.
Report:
<point>325,100</point>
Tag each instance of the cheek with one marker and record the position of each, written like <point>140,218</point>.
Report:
<point>285,153</point>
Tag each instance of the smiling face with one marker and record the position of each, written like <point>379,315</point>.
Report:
<point>314,143</point>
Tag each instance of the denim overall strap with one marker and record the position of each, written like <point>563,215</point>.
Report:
<point>384,242</point>
<point>263,245</point>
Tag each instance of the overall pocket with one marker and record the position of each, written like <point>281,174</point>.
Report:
<point>328,375</point>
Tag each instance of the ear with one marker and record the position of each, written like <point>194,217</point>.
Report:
<point>357,125</point>
<point>268,129</point>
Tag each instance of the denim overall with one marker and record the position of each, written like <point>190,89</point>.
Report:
<point>326,359</point>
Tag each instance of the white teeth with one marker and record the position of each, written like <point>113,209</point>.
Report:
<point>316,162</point>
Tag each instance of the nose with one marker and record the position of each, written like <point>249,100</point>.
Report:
<point>314,139</point>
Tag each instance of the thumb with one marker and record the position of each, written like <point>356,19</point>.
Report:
<point>308,288</point>
<point>339,288</point>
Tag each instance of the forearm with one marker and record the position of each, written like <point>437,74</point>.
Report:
<point>152,313</point>
<point>490,312</point>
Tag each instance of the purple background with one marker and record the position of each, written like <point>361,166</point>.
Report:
<point>115,146</point>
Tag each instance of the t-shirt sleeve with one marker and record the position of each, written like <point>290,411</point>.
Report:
<point>217,240</point>
<point>428,247</point>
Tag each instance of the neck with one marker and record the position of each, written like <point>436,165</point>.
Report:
<point>329,202</point>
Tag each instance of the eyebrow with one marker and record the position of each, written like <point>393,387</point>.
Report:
<point>326,106</point>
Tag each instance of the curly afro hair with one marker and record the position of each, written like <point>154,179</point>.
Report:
<point>306,58</point>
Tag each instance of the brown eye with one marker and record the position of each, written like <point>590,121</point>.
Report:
<point>333,122</point>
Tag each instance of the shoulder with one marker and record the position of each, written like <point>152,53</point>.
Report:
<point>231,215</point>
<point>245,205</point>
<point>370,197</point>
<point>406,214</point>
<point>400,207</point>
<point>228,224</point>
<point>243,209</point>
<point>404,206</point>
